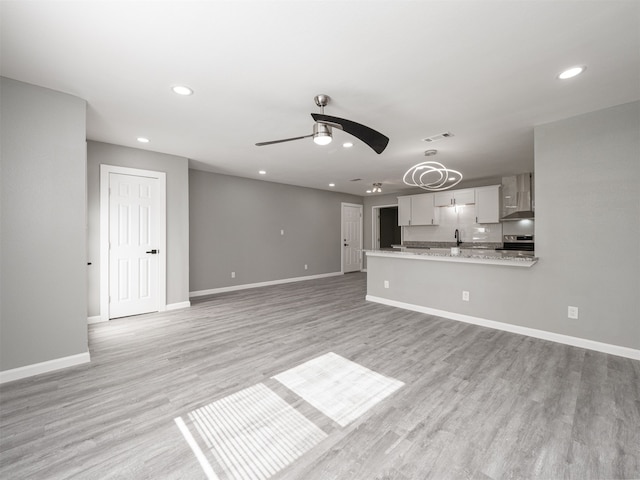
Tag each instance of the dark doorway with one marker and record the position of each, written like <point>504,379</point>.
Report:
<point>389,229</point>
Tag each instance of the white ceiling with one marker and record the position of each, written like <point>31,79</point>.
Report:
<point>485,71</point>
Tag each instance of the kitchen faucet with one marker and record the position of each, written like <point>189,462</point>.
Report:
<point>456,235</point>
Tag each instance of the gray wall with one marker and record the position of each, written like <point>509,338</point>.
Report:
<point>587,237</point>
<point>588,222</point>
<point>43,313</point>
<point>176,169</point>
<point>235,226</point>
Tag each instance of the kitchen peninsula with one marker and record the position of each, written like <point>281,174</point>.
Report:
<point>478,286</point>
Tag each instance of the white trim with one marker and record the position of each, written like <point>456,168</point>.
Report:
<point>507,327</point>
<point>44,367</point>
<point>95,319</point>
<point>201,293</point>
<point>361,207</point>
<point>105,170</point>
<point>178,306</point>
<point>375,225</point>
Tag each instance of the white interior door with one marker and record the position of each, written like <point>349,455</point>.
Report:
<point>352,238</point>
<point>134,232</point>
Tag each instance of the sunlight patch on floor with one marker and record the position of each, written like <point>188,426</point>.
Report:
<point>339,388</point>
<point>252,434</point>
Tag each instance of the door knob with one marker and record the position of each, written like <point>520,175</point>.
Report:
<point>154,251</point>
<point>346,244</point>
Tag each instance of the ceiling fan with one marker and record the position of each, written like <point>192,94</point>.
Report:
<point>322,129</point>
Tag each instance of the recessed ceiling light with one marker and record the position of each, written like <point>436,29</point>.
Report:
<point>332,184</point>
<point>143,140</point>
<point>571,72</point>
<point>347,144</point>
<point>182,90</point>
<point>262,172</point>
<point>368,191</point>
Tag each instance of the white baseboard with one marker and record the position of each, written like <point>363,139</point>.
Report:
<point>201,293</point>
<point>178,306</point>
<point>44,367</point>
<point>95,319</point>
<point>165,308</point>
<point>507,327</point>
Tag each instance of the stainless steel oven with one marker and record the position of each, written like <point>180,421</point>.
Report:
<point>518,245</point>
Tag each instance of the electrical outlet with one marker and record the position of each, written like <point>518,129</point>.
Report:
<point>233,274</point>
<point>465,296</point>
<point>386,284</point>
<point>281,232</point>
<point>306,267</point>
<point>572,312</point>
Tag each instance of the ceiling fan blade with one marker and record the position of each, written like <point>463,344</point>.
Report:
<point>377,141</point>
<point>283,140</point>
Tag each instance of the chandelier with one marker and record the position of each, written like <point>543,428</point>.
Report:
<point>432,176</point>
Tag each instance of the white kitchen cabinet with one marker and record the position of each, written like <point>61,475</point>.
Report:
<point>488,204</point>
<point>416,210</point>
<point>404,211</point>
<point>423,211</point>
<point>450,198</point>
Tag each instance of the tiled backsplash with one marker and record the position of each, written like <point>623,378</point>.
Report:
<point>519,227</point>
<point>462,218</point>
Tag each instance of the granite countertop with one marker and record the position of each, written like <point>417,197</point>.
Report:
<point>476,254</point>
<point>467,245</point>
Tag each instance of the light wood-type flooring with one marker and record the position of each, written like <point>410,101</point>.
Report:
<point>476,403</point>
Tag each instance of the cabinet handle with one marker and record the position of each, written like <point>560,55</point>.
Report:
<point>476,219</point>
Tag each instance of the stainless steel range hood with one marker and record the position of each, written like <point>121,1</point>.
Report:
<point>517,198</point>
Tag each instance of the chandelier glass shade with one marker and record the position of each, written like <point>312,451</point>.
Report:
<point>431,176</point>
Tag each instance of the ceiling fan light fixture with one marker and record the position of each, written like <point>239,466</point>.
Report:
<point>321,134</point>
<point>322,130</point>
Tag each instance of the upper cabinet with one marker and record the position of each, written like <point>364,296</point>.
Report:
<point>404,211</point>
<point>488,204</point>
<point>455,197</point>
<point>423,209</point>
<point>416,210</point>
